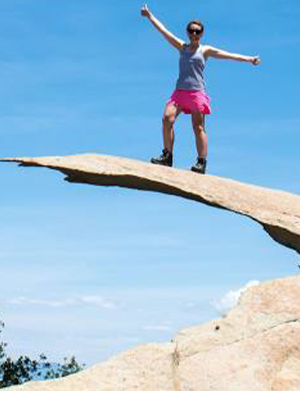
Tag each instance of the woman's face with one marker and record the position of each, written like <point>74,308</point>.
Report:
<point>194,33</point>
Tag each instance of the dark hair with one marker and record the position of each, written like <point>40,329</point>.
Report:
<point>196,22</point>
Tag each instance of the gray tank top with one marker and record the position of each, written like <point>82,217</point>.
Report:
<point>191,66</point>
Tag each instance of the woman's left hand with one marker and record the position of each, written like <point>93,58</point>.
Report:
<point>255,60</point>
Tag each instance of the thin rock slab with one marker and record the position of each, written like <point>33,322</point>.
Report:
<point>277,211</point>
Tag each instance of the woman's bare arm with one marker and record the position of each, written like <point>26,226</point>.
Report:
<point>210,51</point>
<point>172,39</point>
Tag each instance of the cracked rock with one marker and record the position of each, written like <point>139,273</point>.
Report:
<point>256,347</point>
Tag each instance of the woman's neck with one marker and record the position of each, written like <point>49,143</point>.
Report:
<point>194,46</point>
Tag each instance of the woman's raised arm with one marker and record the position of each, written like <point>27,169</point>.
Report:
<point>172,39</point>
<point>210,51</point>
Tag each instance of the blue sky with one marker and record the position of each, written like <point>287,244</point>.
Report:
<point>91,271</point>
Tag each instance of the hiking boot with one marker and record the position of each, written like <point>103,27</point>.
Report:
<point>165,159</point>
<point>200,166</point>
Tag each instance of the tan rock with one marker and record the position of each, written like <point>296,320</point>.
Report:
<point>255,346</point>
<point>277,211</point>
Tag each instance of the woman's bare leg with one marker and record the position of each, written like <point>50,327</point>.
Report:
<point>198,121</point>
<point>170,114</point>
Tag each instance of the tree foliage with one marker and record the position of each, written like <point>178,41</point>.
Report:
<point>24,369</point>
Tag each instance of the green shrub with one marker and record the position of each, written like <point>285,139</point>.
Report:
<point>24,369</point>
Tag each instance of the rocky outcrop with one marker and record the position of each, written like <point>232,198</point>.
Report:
<point>255,347</point>
<point>277,211</point>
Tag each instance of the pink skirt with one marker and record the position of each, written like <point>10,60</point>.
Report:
<point>190,100</point>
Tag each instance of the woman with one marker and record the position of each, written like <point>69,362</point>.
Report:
<point>190,95</point>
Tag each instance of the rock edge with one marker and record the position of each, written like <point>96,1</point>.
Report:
<point>277,211</point>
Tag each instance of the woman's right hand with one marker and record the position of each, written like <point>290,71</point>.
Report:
<point>145,11</point>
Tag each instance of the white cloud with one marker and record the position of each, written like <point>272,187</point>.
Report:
<point>78,301</point>
<point>232,297</point>
<point>160,328</point>
<point>98,301</point>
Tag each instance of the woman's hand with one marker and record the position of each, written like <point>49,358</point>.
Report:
<point>145,11</point>
<point>172,39</point>
<point>255,60</point>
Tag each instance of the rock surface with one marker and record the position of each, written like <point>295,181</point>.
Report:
<point>277,211</point>
<point>255,346</point>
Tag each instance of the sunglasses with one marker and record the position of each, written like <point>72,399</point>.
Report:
<point>197,31</point>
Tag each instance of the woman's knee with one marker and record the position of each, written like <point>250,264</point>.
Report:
<point>198,124</point>
<point>170,114</point>
<point>169,119</point>
<point>198,129</point>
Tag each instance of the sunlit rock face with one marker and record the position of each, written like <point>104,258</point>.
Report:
<point>255,346</point>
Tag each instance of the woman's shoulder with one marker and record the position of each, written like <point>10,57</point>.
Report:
<point>205,46</point>
<point>205,49</point>
<point>184,46</point>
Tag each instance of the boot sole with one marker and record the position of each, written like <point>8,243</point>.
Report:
<point>158,163</point>
<point>197,170</point>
